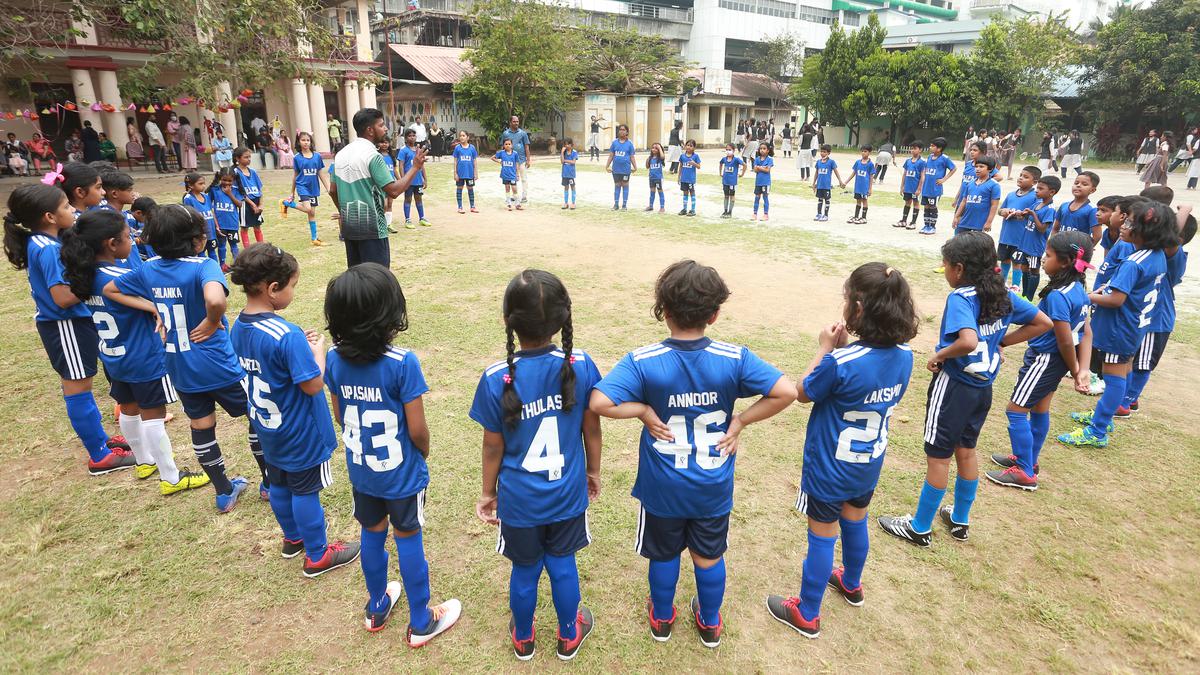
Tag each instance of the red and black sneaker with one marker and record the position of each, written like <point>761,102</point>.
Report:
<point>336,555</point>
<point>116,460</point>
<point>522,649</point>
<point>660,629</point>
<point>118,441</point>
<point>710,636</point>
<point>1133,407</point>
<point>1122,412</point>
<point>291,549</point>
<point>854,597</point>
<point>1007,461</point>
<point>567,649</point>
<point>787,611</point>
<point>1013,476</point>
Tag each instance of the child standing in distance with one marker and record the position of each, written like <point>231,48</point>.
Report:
<point>377,394</point>
<point>416,189</point>
<point>118,190</point>
<point>822,184</point>
<point>37,215</point>
<point>227,208</point>
<point>465,170</point>
<point>197,198</point>
<point>507,159</point>
<point>979,200</point>
<point>568,157</point>
<point>541,457</point>
<point>864,174</point>
<point>1124,312</point>
<point>249,188</point>
<point>763,163</point>
<point>621,165</point>
<point>189,292</point>
<point>222,151</point>
<point>83,185</point>
<point>938,169</point>
<point>284,367</point>
<point>860,383</point>
<point>1012,229</point>
<point>137,217</point>
<point>654,166</point>
<point>307,180</point>
<point>689,163</point>
<point>914,168</point>
<point>384,147</point>
<point>974,329</point>
<point>1079,214</point>
<point>732,168</point>
<point>1038,224</point>
<point>96,251</point>
<point>1048,358</point>
<point>685,464</point>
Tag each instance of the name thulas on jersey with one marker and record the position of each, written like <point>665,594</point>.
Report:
<point>692,398</point>
<point>883,395</point>
<point>250,365</point>
<point>167,292</point>
<point>541,406</point>
<point>361,393</point>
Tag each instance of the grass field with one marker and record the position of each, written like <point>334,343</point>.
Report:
<point>1094,572</point>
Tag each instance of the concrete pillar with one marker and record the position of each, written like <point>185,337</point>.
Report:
<point>81,79</point>
<point>316,107</point>
<point>365,50</point>
<point>301,118</point>
<point>228,119</point>
<point>114,122</point>
<point>352,105</point>
<point>368,96</point>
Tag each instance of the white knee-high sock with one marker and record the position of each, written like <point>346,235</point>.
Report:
<point>155,439</point>
<point>131,429</point>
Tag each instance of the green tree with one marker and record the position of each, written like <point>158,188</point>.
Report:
<point>1015,65</point>
<point>625,61</point>
<point>920,88</point>
<point>832,82</point>
<point>781,59</point>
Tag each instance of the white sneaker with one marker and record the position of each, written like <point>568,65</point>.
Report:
<point>445,616</point>
<point>1096,385</point>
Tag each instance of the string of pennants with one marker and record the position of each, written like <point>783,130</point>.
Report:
<point>32,114</point>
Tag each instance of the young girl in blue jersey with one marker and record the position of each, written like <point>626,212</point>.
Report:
<point>541,457</point>
<point>197,197</point>
<point>307,180</point>
<point>824,169</point>
<point>1048,358</point>
<point>974,329</point>
<point>654,165</point>
<point>979,199</point>
<point>416,189</point>
<point>83,185</point>
<point>249,188</point>
<point>1124,311</point>
<point>686,464</point>
<point>284,367</point>
<point>227,210</point>
<point>731,168</point>
<point>96,251</point>
<point>568,157</point>
<point>377,392</point>
<point>689,164</point>
<point>914,169</point>
<point>864,174</point>
<point>763,163</point>
<point>384,146</point>
<point>1038,225</point>
<point>621,165</point>
<point>139,215</point>
<point>507,159</point>
<point>1012,228</point>
<point>190,294</point>
<point>465,169</point>
<point>938,169</point>
<point>37,215</point>
<point>855,389</point>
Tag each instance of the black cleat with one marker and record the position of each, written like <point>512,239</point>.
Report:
<point>957,531</point>
<point>901,527</point>
<point>337,554</point>
<point>291,549</point>
<point>787,612</point>
<point>710,636</point>
<point>522,649</point>
<point>660,629</point>
<point>1009,461</point>
<point>567,649</point>
<point>854,597</point>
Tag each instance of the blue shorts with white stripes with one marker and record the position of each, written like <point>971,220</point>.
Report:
<point>954,415</point>
<point>829,512</point>
<point>663,538</point>
<point>153,394</point>
<point>200,404</point>
<point>406,513</point>
<point>302,482</point>
<point>527,545</point>
<point>72,345</point>
<point>1150,351</point>
<point>1039,377</point>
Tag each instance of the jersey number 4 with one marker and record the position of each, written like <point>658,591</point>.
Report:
<point>702,444</point>
<point>544,453</point>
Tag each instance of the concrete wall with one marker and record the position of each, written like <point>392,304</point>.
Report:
<point>713,24</point>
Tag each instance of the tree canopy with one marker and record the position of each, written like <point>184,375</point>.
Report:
<point>625,61</point>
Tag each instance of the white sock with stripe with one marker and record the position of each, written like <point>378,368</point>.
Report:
<point>131,429</point>
<point>155,439</point>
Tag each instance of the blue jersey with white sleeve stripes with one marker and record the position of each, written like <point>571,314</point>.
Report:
<point>1082,219</point>
<point>381,459</point>
<point>543,474</point>
<point>306,169</point>
<point>176,287</point>
<point>623,155</point>
<point>1068,303</point>
<point>913,168</point>
<point>980,367</point>
<point>978,198</point>
<point>692,386</point>
<point>936,168</point>
<point>228,216</point>
<point>508,165</point>
<point>44,256</point>
<point>1012,230</point>
<point>1164,317</point>
<point>687,167</point>
<point>465,161</point>
<point>824,172</point>
<point>1034,241</point>
<point>295,429</point>
<point>404,161</point>
<point>655,166</point>
<point>204,205</point>
<point>1114,255</point>
<point>854,391</point>
<point>762,178</point>
<point>864,173</point>
<point>248,186</point>
<point>1117,330</point>
<point>729,169</point>
<point>130,348</point>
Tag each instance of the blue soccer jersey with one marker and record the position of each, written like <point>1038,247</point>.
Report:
<point>404,161</point>
<point>1034,241</point>
<point>655,164</point>
<point>306,169</point>
<point>854,391</point>
<point>464,159</point>
<point>387,159</point>
<point>1116,254</point>
<point>913,168</point>
<point>824,173</point>
<point>729,169</point>
<point>936,168</point>
<point>508,165</point>
<point>295,429</point>
<point>688,164</point>
<point>1082,219</point>
<point>622,154</point>
<point>380,456</point>
<point>864,173</point>
<point>1164,317</point>
<point>176,287</point>
<point>543,474</point>
<point>1068,304</point>
<point>227,214</point>
<point>1012,230</point>
<point>44,254</point>
<point>762,178</point>
<point>248,186</point>
<point>568,170</point>
<point>130,348</point>
<point>980,367</point>
<point>1140,277</point>
<point>979,198</point>
<point>692,386</point>
<point>204,205</point>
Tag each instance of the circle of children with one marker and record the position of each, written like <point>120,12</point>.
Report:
<point>154,314</point>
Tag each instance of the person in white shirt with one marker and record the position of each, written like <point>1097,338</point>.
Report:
<point>158,145</point>
<point>421,131</point>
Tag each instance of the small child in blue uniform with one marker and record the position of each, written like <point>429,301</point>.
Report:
<point>1079,214</point>
<point>685,464</point>
<point>731,168</point>
<point>938,169</point>
<point>227,212</point>
<point>976,151</point>
<point>308,178</point>
<point>248,188</point>
<point>465,170</point>
<point>568,158</point>
<point>416,189</point>
<point>864,174</point>
<point>855,389</point>
<point>822,183</point>
<point>284,367</point>
<point>83,185</point>
<point>974,330</point>
<point>118,190</point>
<point>197,198</point>
<point>507,159</point>
<point>138,216</point>
<point>541,457</point>
<point>763,163</point>
<point>384,146</point>
<point>914,168</point>
<point>979,199</point>
<point>377,392</point>
<point>621,165</point>
<point>1048,358</point>
<point>1038,225</point>
<point>1012,228</point>
<point>654,166</point>
<point>689,163</point>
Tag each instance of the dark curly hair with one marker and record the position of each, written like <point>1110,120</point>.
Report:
<point>81,243</point>
<point>1067,246</point>
<point>1155,224</point>
<point>976,253</point>
<point>172,230</point>
<point>689,293</point>
<point>536,306</point>
<point>364,311</point>
<point>262,264</point>
<point>27,206</point>
<point>879,305</point>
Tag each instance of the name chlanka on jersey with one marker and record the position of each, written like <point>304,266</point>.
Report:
<point>1068,304</point>
<point>1140,277</point>
<point>380,456</point>
<point>854,390</point>
<point>692,386</point>
<point>129,346</point>
<point>980,367</point>
<point>543,474</point>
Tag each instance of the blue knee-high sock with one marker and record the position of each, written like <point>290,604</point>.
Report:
<point>624,194</point>
<point>312,229</point>
<point>662,199</point>
<point>407,210</point>
<point>1021,436</point>
<point>766,204</point>
<point>710,590</point>
<point>664,577</point>
<point>1039,425</point>
<point>1004,268</point>
<point>233,247</point>
<point>221,250</point>
<point>855,544</point>
<point>522,596</point>
<point>1018,278</point>
<point>818,564</point>
<point>85,420</point>
<point>1134,384</point>
<point>964,497</point>
<point>651,205</point>
<point>458,196</point>
<point>757,199</point>
<point>210,249</point>
<point>566,195</point>
<point>564,587</point>
<point>281,506</point>
<point>414,572</point>
<point>616,195</point>
<point>374,559</point>
<point>471,195</point>
<point>927,506</point>
<point>310,520</point>
<point>572,194</point>
<point>1114,393</point>
<point>421,209</point>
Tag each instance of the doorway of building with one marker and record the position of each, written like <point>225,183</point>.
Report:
<point>60,123</point>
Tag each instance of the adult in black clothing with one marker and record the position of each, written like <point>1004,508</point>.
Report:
<point>675,146</point>
<point>91,143</point>
<point>787,139</point>
<point>266,145</point>
<point>437,141</point>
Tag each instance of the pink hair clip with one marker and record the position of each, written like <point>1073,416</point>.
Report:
<point>1082,265</point>
<point>507,378</point>
<point>54,176</point>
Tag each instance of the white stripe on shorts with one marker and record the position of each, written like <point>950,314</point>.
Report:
<point>70,349</point>
<point>1112,358</point>
<point>499,540</point>
<point>326,474</point>
<point>935,406</point>
<point>1146,352</point>
<point>802,502</point>
<point>587,528</point>
<point>421,508</point>
<point>641,530</point>
<point>1026,386</point>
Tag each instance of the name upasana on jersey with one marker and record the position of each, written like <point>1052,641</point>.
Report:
<point>358,392</point>
<point>541,406</point>
<point>692,398</point>
<point>884,395</point>
<point>168,292</point>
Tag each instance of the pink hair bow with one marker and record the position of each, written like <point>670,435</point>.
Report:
<point>1082,265</point>
<point>54,176</point>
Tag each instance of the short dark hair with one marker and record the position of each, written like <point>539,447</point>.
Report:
<point>689,293</point>
<point>825,147</point>
<point>365,118</point>
<point>939,143</point>
<point>1091,176</point>
<point>364,311</point>
<point>866,147</point>
<point>1159,193</point>
<point>888,313</point>
<point>172,230</point>
<point>1051,182</point>
<point>116,180</point>
<point>1033,171</point>
<point>1108,202</point>
<point>917,144</point>
<point>262,264</point>
<point>987,161</point>
<point>143,204</point>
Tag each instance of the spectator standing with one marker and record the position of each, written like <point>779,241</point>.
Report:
<point>335,132</point>
<point>173,127</point>
<point>91,143</point>
<point>676,146</point>
<point>158,145</point>
<point>520,147</point>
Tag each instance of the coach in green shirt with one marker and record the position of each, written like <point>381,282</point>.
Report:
<point>361,183</point>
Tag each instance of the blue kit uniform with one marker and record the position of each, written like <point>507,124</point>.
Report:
<point>464,159</point>
<point>1043,367</point>
<point>1012,229</point>
<point>622,159</point>
<point>132,353</point>
<point>308,185</point>
<point>864,172</point>
<point>978,198</point>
